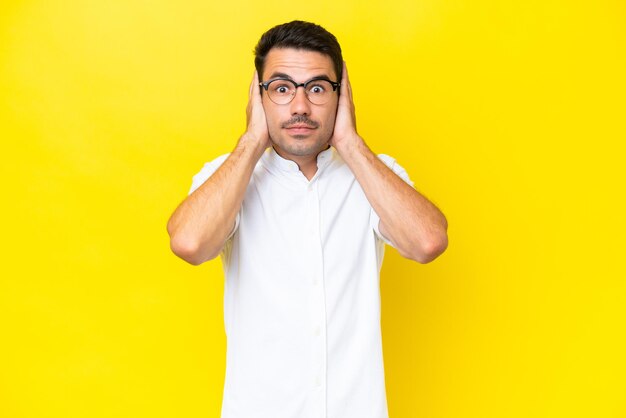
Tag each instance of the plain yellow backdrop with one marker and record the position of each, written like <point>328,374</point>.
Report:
<point>508,115</point>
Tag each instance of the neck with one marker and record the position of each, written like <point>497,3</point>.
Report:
<point>306,163</point>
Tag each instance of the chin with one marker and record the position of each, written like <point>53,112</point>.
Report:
<point>300,148</point>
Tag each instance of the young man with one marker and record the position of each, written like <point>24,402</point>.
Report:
<point>300,212</point>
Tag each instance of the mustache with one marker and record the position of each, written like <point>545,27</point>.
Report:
<point>299,119</point>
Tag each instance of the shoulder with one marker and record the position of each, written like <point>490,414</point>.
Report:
<point>214,163</point>
<point>395,167</point>
<point>206,171</point>
<point>387,159</point>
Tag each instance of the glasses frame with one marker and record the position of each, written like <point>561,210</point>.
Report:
<point>266,84</point>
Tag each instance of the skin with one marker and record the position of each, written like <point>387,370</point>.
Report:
<point>200,225</point>
<point>317,121</point>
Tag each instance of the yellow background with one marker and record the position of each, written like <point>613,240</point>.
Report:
<point>508,115</point>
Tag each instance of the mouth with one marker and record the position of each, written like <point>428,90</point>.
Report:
<point>300,129</point>
<point>300,126</point>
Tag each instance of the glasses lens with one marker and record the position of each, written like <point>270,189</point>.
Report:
<point>281,91</point>
<point>319,91</point>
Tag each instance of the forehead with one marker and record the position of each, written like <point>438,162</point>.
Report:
<point>299,64</point>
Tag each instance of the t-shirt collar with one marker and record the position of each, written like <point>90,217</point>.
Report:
<point>282,164</point>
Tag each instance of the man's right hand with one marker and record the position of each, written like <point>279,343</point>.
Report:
<point>201,224</point>
<point>255,116</point>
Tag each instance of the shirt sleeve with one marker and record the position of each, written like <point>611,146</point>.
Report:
<point>401,172</point>
<point>203,175</point>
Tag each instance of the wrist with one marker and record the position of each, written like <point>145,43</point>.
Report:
<point>249,141</point>
<point>349,144</point>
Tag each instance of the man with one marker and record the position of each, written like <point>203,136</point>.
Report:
<point>300,212</point>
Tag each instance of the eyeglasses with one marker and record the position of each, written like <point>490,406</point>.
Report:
<point>282,90</point>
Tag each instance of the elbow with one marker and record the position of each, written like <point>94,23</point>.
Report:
<point>185,250</point>
<point>434,249</point>
<point>189,250</point>
<point>430,249</point>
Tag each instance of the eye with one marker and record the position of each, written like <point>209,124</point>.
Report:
<point>317,89</point>
<point>279,87</point>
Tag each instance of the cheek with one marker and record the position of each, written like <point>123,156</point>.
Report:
<point>272,116</point>
<point>329,119</point>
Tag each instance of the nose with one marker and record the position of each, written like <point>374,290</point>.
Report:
<point>300,104</point>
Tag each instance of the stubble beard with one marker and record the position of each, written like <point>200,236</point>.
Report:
<point>300,145</point>
<point>299,148</point>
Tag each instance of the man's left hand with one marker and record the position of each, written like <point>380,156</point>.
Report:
<point>345,121</point>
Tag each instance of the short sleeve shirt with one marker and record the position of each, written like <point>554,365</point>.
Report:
<point>302,294</point>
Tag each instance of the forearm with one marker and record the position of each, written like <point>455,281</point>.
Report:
<point>198,228</point>
<point>410,221</point>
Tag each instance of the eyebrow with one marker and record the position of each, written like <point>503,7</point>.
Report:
<point>284,75</point>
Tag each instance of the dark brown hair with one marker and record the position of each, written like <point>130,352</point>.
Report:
<point>299,35</point>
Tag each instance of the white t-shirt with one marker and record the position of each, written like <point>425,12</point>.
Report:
<point>302,294</point>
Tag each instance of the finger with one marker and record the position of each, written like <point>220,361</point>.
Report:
<point>254,82</point>
<point>345,80</point>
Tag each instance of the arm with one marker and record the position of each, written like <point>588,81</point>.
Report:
<point>412,223</point>
<point>200,225</point>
